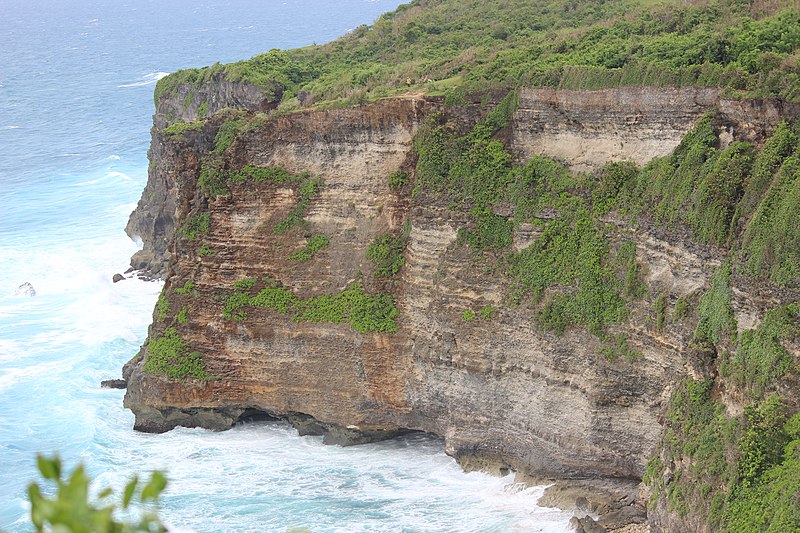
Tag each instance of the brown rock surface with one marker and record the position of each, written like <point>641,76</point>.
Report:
<point>501,393</point>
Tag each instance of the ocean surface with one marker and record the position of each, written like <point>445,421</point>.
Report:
<point>76,83</point>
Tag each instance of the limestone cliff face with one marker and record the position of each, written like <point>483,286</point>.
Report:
<point>502,393</point>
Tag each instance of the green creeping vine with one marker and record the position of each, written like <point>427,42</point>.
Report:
<point>738,472</point>
<point>308,189</point>
<point>386,252</point>
<point>366,313</point>
<point>313,245</point>
<point>196,226</point>
<point>167,355</point>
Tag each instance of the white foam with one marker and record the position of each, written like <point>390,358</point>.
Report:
<point>12,376</point>
<point>113,157</point>
<point>147,79</point>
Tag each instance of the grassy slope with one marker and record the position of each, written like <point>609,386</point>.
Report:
<point>442,45</point>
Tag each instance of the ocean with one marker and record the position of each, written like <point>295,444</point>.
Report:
<point>76,83</point>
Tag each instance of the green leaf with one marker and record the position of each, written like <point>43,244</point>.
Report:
<point>130,488</point>
<point>154,487</point>
<point>50,468</point>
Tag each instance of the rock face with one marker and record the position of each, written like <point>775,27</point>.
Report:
<point>501,393</point>
<point>587,128</point>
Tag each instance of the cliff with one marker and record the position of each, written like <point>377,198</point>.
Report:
<point>315,271</point>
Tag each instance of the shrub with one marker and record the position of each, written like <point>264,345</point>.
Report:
<point>308,189</point>
<point>386,253</point>
<point>167,355</point>
<point>398,180</point>
<point>314,244</point>
<point>196,226</point>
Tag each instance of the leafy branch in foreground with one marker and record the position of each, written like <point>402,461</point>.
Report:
<point>70,509</point>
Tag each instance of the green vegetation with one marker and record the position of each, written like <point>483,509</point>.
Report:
<point>748,48</point>
<point>187,289</point>
<point>681,310</point>
<point>468,315</point>
<point>366,313</point>
<point>180,127</point>
<point>162,307</point>
<point>205,251</point>
<point>761,359</point>
<point>266,174</point>
<point>182,317</point>
<point>740,473</point>
<point>486,312</point>
<point>616,346</point>
<point>167,355</point>
<point>398,180</point>
<point>70,509</point>
<point>716,314</point>
<point>771,241</point>
<point>314,244</point>
<point>661,312</point>
<point>308,189</point>
<point>386,253</point>
<point>196,226</point>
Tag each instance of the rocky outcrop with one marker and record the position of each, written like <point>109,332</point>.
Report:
<point>585,129</point>
<point>502,393</point>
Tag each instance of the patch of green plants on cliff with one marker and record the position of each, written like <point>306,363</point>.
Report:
<point>667,186</point>
<point>266,175</point>
<point>213,176</point>
<point>761,359</point>
<point>313,245</point>
<point>307,190</point>
<point>770,502</point>
<point>386,252</point>
<point>768,161</point>
<point>771,243</point>
<point>162,307</point>
<point>196,226</point>
<point>716,319</point>
<point>703,440</point>
<point>187,289</point>
<point>728,470</point>
<point>180,127</point>
<point>718,192</point>
<point>183,316</point>
<point>226,134</point>
<point>634,286</point>
<point>366,313</point>
<point>566,270</point>
<point>397,180</point>
<point>168,355</point>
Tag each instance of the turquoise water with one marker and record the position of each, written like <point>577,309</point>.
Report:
<point>76,82</point>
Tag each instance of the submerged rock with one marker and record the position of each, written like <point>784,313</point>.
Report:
<point>114,384</point>
<point>117,277</point>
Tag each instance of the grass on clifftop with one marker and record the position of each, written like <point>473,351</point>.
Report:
<point>453,46</point>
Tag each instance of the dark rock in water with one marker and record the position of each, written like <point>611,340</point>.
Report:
<point>114,384</point>
<point>305,425</point>
<point>117,277</point>
<point>130,270</point>
<point>350,436</point>
<point>26,289</point>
